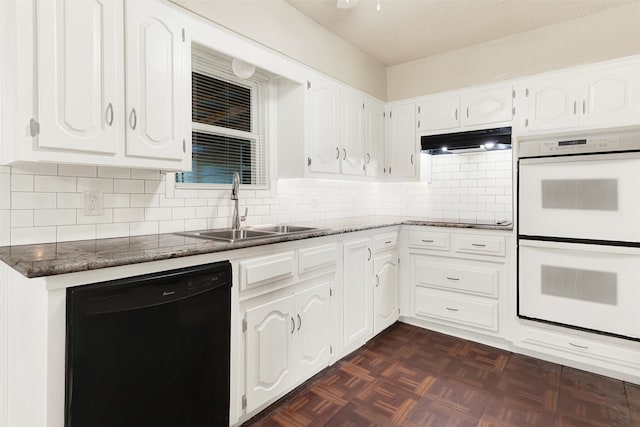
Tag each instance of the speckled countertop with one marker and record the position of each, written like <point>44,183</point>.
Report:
<point>48,259</point>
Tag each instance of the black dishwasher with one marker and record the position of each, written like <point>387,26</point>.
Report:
<point>150,350</point>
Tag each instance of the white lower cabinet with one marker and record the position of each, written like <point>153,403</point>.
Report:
<point>385,291</point>
<point>457,278</point>
<point>287,341</point>
<point>370,288</point>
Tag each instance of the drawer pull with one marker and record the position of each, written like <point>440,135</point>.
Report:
<point>453,278</point>
<point>479,245</point>
<point>581,347</point>
<point>388,242</point>
<point>427,241</point>
<point>452,309</point>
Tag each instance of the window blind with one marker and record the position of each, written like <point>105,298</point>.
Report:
<point>228,123</point>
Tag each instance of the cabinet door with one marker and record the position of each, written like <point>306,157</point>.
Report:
<point>358,294</point>
<point>157,81</point>
<point>268,351</point>
<point>385,294</point>
<point>401,146</point>
<point>439,113</point>
<point>553,104</point>
<point>80,75</point>
<point>374,138</point>
<point>313,330</point>
<point>612,96</point>
<point>487,106</point>
<point>352,130</point>
<point>323,134</point>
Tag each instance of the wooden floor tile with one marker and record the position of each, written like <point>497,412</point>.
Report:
<point>412,377</point>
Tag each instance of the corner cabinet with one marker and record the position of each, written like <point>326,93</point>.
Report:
<point>113,84</point>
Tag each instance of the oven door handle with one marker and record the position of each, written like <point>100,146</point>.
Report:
<point>577,247</point>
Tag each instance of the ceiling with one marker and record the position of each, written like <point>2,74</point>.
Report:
<point>406,30</point>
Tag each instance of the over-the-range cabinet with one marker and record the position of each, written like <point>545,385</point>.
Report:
<point>579,231</point>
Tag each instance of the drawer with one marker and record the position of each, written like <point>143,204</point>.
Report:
<point>429,240</point>
<point>466,310</point>
<point>471,278</point>
<point>475,244</point>
<point>581,348</point>
<point>317,257</point>
<point>385,241</point>
<point>260,271</point>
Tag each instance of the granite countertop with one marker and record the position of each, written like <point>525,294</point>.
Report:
<point>48,259</point>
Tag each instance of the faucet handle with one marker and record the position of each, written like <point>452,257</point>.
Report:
<point>244,217</point>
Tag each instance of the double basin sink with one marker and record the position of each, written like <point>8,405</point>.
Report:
<point>256,232</point>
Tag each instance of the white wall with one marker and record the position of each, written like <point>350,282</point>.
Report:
<point>611,34</point>
<point>279,26</point>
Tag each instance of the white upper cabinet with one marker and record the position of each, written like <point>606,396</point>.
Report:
<point>353,133</point>
<point>323,128</point>
<point>402,152</point>
<point>80,75</point>
<point>101,82</point>
<point>374,137</point>
<point>606,96</point>
<point>477,108</point>
<point>157,76</point>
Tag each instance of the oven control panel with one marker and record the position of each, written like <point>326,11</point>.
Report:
<point>560,145</point>
<point>579,145</point>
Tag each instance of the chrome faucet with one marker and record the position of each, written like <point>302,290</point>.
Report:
<point>235,196</point>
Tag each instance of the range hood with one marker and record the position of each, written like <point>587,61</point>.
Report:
<point>467,142</point>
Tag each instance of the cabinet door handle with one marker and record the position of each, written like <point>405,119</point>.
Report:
<point>369,249</point>
<point>575,107</point>
<point>581,347</point>
<point>337,153</point>
<point>467,111</point>
<point>479,245</point>
<point>299,321</point>
<point>108,115</point>
<point>526,122</point>
<point>455,279</point>
<point>584,106</point>
<point>411,159</point>
<point>344,150</point>
<point>293,325</point>
<point>427,241</point>
<point>452,309</point>
<point>368,158</point>
<point>133,119</point>
<point>456,114</point>
<point>377,280</point>
<point>418,124</point>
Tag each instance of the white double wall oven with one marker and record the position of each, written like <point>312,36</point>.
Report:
<point>579,231</point>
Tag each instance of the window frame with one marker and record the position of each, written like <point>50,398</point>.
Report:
<point>260,98</point>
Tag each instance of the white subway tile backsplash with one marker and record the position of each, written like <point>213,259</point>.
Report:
<point>21,200</point>
<point>35,168</point>
<point>150,174</point>
<point>141,228</point>
<point>128,214</point>
<point>106,217</point>
<point>105,231</point>
<point>172,226</point>
<point>144,200</point>
<point>157,214</point>
<point>32,235</point>
<point>19,182</point>
<point>44,217</point>
<point>154,187</point>
<point>75,232</point>
<point>183,213</point>
<point>56,184</point>
<point>195,224</point>
<point>70,200</point>
<point>21,217</point>
<point>116,200</point>
<point>104,185</point>
<point>128,186</point>
<point>77,170</point>
<point>111,172</point>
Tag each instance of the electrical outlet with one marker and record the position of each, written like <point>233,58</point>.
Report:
<point>92,203</point>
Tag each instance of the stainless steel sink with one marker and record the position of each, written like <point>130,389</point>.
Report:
<point>255,232</point>
<point>282,229</point>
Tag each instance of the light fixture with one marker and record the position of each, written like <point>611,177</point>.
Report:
<point>346,4</point>
<point>378,7</point>
<point>242,69</point>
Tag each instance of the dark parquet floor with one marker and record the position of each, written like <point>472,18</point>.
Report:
<point>408,376</point>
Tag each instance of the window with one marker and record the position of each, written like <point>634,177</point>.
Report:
<point>228,124</point>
